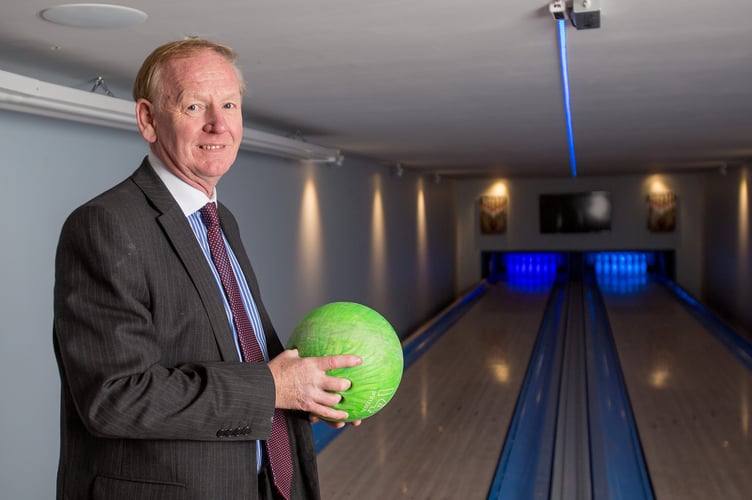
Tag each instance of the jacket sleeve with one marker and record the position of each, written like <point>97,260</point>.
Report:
<point>133,340</point>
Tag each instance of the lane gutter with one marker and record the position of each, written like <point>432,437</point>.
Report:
<point>738,345</point>
<point>524,468</point>
<point>617,459</point>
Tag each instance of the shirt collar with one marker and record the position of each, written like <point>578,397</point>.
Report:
<point>188,197</point>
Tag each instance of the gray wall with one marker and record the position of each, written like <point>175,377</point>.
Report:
<point>728,258</point>
<point>629,230</point>
<point>309,230</point>
<point>48,168</point>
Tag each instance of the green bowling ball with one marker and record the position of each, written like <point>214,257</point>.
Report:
<point>351,328</point>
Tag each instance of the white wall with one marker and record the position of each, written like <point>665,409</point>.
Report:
<point>302,260</point>
<point>629,229</point>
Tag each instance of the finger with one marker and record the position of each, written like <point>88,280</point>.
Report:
<point>328,413</point>
<point>329,398</point>
<point>335,384</point>
<point>339,361</point>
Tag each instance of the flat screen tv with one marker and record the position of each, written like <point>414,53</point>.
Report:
<point>575,212</point>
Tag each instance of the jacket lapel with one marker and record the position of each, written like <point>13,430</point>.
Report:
<point>183,240</point>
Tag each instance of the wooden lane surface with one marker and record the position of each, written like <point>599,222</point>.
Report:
<point>441,435</point>
<point>690,397</point>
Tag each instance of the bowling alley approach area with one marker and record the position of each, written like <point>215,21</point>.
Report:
<point>562,375</point>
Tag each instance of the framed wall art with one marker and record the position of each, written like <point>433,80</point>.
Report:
<point>661,212</point>
<point>493,214</point>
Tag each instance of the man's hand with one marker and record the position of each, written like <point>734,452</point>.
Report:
<point>302,383</point>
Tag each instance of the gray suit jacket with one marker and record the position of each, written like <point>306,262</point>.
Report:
<point>155,403</point>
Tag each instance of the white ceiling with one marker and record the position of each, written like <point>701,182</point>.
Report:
<point>456,87</point>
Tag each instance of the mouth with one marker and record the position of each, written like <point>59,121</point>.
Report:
<point>211,147</point>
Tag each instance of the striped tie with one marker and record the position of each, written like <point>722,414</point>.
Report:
<point>278,445</point>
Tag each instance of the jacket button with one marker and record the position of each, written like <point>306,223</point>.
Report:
<point>221,433</point>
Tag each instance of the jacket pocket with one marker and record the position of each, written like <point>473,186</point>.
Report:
<point>116,488</point>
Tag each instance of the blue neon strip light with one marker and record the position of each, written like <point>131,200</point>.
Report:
<point>565,85</point>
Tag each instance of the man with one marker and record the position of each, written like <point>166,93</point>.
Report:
<point>165,393</point>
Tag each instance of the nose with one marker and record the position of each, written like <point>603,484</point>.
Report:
<point>215,122</point>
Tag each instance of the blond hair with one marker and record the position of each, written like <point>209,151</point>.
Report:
<point>147,83</point>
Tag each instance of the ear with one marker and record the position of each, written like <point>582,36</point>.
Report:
<point>145,120</point>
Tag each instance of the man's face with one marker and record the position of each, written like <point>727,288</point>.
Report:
<point>197,126</point>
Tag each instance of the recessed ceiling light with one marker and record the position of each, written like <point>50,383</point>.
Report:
<point>93,15</point>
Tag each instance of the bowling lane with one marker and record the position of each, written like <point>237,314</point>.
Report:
<point>691,398</point>
<point>441,435</point>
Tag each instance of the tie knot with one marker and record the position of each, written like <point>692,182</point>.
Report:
<point>209,215</point>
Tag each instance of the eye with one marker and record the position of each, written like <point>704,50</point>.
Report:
<point>230,105</point>
<point>192,107</point>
